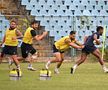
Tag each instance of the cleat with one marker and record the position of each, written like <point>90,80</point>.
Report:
<point>31,69</point>
<point>56,71</point>
<point>106,71</point>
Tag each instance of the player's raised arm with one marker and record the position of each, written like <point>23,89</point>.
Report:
<point>40,37</point>
<point>78,43</point>
<point>74,45</point>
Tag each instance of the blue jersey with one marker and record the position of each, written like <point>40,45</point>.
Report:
<point>90,39</point>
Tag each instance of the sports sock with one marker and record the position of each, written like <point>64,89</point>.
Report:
<point>75,66</point>
<point>30,65</point>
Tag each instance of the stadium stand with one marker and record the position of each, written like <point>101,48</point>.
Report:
<point>59,15</point>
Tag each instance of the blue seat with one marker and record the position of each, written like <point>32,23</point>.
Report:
<point>57,37</point>
<point>30,7</point>
<point>76,2</point>
<point>103,13</point>
<point>98,7</point>
<point>52,12</point>
<point>81,7</point>
<point>95,13</point>
<point>58,2</point>
<point>33,2</point>
<point>69,13</point>
<point>39,18</point>
<point>105,7</point>
<point>34,12</point>
<point>73,7</point>
<point>86,13</point>
<point>43,12</point>
<point>25,2</point>
<point>50,2</point>
<point>93,2</point>
<point>60,12</point>
<point>85,2</point>
<point>78,13</point>
<point>89,7</point>
<point>38,7</point>
<point>68,2</point>
<point>42,2</point>
<point>101,2</point>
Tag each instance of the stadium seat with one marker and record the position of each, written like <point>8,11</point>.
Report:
<point>55,7</point>
<point>69,13</point>
<point>58,2</point>
<point>85,2</point>
<point>34,12</point>
<point>57,37</point>
<point>30,7</point>
<point>76,2</point>
<point>93,2</point>
<point>4,24</point>
<point>68,2</point>
<point>50,2</point>
<point>33,2</point>
<point>44,12</point>
<point>103,13</point>
<point>78,13</point>
<point>95,13</point>
<point>63,7</point>
<point>63,32</point>
<point>46,7</point>
<point>86,13</point>
<point>101,2</point>
<point>51,33</point>
<point>60,12</point>
<point>42,2</point>
<point>98,7</point>
<point>72,7</point>
<point>81,7</point>
<point>25,2</point>
<point>89,7</point>
<point>105,7</point>
<point>62,16</point>
<point>38,7</point>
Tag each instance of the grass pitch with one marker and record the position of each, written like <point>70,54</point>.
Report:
<point>89,76</point>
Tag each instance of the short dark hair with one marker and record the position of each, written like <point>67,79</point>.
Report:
<point>35,22</point>
<point>99,28</point>
<point>72,32</point>
<point>14,21</point>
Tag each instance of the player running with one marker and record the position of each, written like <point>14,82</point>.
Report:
<point>10,42</point>
<point>91,48</point>
<point>26,48</point>
<point>60,47</point>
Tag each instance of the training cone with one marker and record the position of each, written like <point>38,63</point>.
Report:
<point>45,74</point>
<point>15,74</point>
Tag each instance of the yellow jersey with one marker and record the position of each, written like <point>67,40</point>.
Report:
<point>9,35</point>
<point>28,39</point>
<point>62,45</point>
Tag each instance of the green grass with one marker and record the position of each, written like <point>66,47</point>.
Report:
<point>88,76</point>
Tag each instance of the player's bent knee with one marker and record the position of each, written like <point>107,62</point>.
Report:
<point>60,60</point>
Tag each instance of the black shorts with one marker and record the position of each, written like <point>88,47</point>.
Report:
<point>56,50</point>
<point>9,50</point>
<point>26,49</point>
<point>89,49</point>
